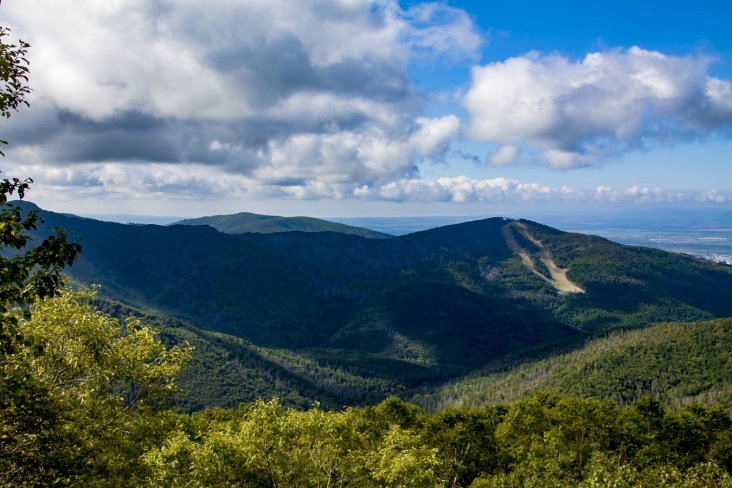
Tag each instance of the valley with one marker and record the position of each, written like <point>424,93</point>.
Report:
<point>344,319</point>
<point>490,353</point>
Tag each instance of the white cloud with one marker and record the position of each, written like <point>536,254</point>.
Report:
<point>503,156</point>
<point>582,113</point>
<point>637,194</point>
<point>184,99</point>
<point>277,92</point>
<point>463,189</point>
<point>434,135</point>
<point>169,182</point>
<point>445,30</point>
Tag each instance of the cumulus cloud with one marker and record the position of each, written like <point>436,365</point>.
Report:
<point>223,99</point>
<point>434,135</point>
<point>585,112</point>
<point>275,92</point>
<point>463,189</point>
<point>503,156</point>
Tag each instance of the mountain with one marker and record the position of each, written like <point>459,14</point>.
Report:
<point>350,319</point>
<point>677,363</point>
<point>244,222</point>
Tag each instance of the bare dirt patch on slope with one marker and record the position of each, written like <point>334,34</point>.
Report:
<point>558,276</point>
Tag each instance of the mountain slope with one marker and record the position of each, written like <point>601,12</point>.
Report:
<point>673,362</point>
<point>245,222</point>
<point>554,275</point>
<point>362,318</point>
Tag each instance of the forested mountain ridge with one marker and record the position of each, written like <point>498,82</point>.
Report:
<point>357,319</point>
<point>244,222</point>
<point>676,363</point>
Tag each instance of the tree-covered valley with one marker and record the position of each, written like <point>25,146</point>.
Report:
<point>348,319</point>
<point>492,353</point>
<point>86,401</point>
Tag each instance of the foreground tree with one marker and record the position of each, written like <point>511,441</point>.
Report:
<point>79,392</point>
<point>35,273</point>
<point>28,414</point>
<point>14,75</point>
<point>100,395</point>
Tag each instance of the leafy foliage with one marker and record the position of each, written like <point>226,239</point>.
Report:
<point>104,423</point>
<point>29,416</point>
<point>14,76</point>
<point>33,274</point>
<point>99,392</point>
<point>541,441</point>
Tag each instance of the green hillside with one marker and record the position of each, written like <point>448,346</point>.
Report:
<point>245,222</point>
<point>676,363</point>
<point>92,408</point>
<point>87,399</point>
<point>344,319</point>
<point>225,370</point>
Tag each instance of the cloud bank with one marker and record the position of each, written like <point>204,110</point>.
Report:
<point>314,100</point>
<point>584,113</point>
<point>142,181</point>
<point>275,91</point>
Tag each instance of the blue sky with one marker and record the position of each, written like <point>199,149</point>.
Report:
<point>367,108</point>
<point>577,27</point>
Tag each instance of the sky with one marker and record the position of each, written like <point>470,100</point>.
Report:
<point>372,108</point>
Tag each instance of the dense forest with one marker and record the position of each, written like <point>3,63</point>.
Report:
<point>94,409</point>
<point>92,397</point>
<point>92,400</point>
<point>675,363</point>
<point>341,319</point>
